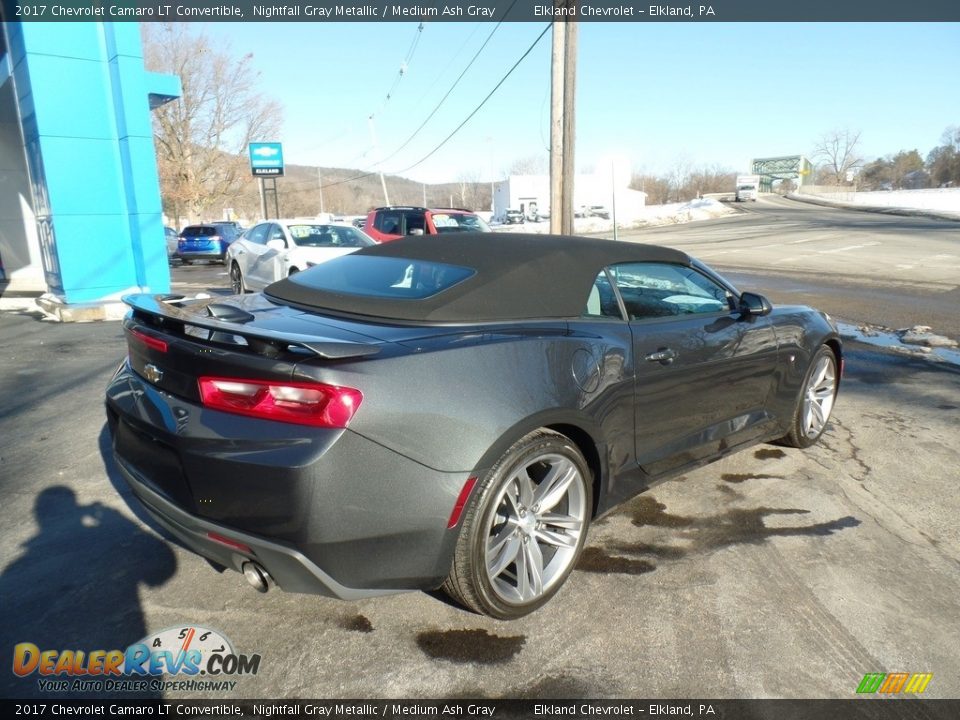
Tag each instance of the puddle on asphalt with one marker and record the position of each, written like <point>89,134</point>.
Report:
<point>743,477</point>
<point>595,560</point>
<point>698,534</point>
<point>769,454</point>
<point>356,623</point>
<point>469,646</point>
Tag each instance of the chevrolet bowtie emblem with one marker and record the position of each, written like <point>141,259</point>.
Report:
<point>152,373</point>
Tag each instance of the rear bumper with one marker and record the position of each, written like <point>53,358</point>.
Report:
<point>323,511</point>
<point>215,254</point>
<point>290,569</point>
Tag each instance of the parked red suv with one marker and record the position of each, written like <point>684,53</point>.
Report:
<point>392,223</point>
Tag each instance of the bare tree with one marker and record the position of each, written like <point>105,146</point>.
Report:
<point>468,184</point>
<point>529,165</point>
<point>838,153</point>
<point>679,177</point>
<point>202,138</point>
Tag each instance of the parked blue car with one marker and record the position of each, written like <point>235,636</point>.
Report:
<point>206,242</point>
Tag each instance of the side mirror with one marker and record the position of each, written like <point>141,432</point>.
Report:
<point>754,304</point>
<point>277,244</point>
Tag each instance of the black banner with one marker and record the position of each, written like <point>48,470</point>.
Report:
<point>481,10</point>
<point>855,709</point>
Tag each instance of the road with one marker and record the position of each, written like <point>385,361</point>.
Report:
<point>888,270</point>
<point>773,573</point>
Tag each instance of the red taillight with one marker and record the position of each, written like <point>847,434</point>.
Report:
<point>148,340</point>
<point>314,404</point>
<point>233,544</point>
<point>461,502</point>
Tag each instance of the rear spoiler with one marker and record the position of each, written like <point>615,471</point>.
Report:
<point>164,312</point>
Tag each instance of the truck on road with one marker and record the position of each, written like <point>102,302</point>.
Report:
<point>748,187</point>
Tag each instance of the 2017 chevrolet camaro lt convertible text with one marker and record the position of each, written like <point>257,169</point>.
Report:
<point>451,411</point>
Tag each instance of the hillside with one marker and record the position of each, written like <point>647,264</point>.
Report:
<point>352,192</point>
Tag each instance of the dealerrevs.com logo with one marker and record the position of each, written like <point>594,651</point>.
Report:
<point>198,657</point>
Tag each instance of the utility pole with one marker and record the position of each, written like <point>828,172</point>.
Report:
<point>320,187</point>
<point>376,152</point>
<point>556,127</point>
<point>569,135</point>
<point>613,198</point>
<point>563,85</point>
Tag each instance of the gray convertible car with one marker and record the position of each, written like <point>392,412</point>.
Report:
<point>451,411</point>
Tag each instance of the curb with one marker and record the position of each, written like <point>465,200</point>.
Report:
<point>56,309</point>
<point>908,212</point>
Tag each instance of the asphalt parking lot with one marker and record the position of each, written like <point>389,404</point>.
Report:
<point>773,573</point>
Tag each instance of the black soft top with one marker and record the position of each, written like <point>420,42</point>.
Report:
<point>516,276</point>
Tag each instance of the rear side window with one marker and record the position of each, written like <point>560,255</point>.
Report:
<point>602,301</point>
<point>388,222</point>
<point>258,234</point>
<point>335,236</point>
<point>458,222</point>
<point>382,277</point>
<point>199,231</point>
<point>415,223</point>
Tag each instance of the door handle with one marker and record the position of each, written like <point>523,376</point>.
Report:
<point>664,356</point>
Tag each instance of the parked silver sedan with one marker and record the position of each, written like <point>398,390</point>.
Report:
<point>277,249</point>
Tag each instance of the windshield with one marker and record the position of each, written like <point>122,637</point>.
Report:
<point>336,236</point>
<point>459,222</point>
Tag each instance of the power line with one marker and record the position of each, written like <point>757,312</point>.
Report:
<point>452,87</point>
<point>403,69</point>
<point>460,126</point>
<point>482,102</point>
<point>449,64</point>
<point>404,65</point>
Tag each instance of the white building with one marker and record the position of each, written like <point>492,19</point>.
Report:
<point>531,195</point>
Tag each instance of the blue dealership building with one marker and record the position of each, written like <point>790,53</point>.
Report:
<point>80,210</point>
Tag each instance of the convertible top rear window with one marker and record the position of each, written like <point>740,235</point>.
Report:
<point>382,277</point>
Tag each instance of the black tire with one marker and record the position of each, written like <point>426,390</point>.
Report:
<point>292,271</point>
<point>236,280</point>
<point>802,434</point>
<point>488,522</point>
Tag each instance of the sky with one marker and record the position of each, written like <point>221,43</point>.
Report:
<point>656,94</point>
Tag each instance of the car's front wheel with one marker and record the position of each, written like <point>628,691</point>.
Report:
<point>525,529</point>
<point>816,400</point>
<point>236,280</point>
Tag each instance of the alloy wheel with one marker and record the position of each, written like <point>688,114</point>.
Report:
<point>236,280</point>
<point>533,535</point>
<point>819,396</point>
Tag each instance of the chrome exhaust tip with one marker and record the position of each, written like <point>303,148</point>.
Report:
<point>258,578</point>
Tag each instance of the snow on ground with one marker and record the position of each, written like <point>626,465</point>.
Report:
<point>634,217</point>
<point>939,199</point>
<point>917,341</point>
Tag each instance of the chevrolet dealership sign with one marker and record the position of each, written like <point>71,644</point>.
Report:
<point>266,159</point>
